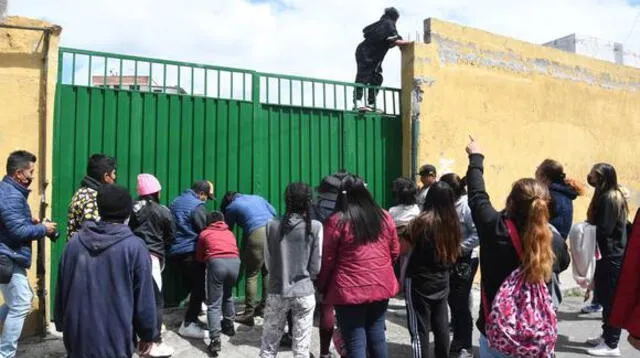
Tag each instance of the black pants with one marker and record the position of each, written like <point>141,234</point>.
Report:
<point>369,73</point>
<point>425,315</point>
<point>459,302</point>
<point>193,273</point>
<point>607,273</point>
<point>159,315</point>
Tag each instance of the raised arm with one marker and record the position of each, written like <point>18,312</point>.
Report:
<point>479,203</point>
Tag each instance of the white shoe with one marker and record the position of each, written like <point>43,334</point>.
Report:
<point>159,350</point>
<point>192,331</point>
<point>203,309</point>
<point>603,350</point>
<point>595,341</point>
<point>163,329</point>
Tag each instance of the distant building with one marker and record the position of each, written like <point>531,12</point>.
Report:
<point>596,48</point>
<point>142,84</point>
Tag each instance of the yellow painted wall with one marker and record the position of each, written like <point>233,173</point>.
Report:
<point>21,70</point>
<point>523,103</point>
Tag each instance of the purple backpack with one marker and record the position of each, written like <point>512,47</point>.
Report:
<point>521,321</point>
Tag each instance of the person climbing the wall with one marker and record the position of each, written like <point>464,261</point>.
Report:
<point>379,37</point>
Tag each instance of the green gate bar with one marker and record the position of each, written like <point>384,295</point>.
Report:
<point>248,142</point>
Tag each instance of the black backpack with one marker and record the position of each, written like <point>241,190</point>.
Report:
<point>327,195</point>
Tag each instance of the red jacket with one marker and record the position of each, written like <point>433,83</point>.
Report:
<point>216,242</point>
<point>625,311</point>
<point>353,273</point>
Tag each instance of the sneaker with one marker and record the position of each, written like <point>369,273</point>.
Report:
<point>595,341</point>
<point>365,109</point>
<point>286,340</point>
<point>591,309</point>
<point>603,350</point>
<point>228,329</point>
<point>246,319</point>
<point>214,347</point>
<point>160,350</point>
<point>464,353</point>
<point>191,330</point>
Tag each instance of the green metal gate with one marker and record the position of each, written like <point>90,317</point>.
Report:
<point>245,131</point>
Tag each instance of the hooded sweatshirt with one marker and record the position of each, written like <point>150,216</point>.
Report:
<point>562,196</point>
<point>216,242</point>
<point>379,37</point>
<point>104,295</point>
<point>293,261</point>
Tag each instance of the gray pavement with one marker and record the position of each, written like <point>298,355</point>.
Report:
<point>574,329</point>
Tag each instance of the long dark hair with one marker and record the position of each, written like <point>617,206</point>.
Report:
<point>404,191</point>
<point>528,206</point>
<point>297,197</point>
<point>604,179</point>
<point>457,184</point>
<point>440,223</point>
<point>359,210</point>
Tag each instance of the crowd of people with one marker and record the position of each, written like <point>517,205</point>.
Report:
<point>338,250</point>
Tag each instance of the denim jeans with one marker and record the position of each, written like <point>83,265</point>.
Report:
<point>488,352</point>
<point>222,275</point>
<point>363,329</point>
<point>17,304</point>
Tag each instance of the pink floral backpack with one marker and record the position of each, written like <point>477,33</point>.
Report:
<point>521,321</point>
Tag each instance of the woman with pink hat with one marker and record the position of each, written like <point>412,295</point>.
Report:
<point>153,223</point>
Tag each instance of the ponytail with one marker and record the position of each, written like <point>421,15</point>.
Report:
<point>538,256</point>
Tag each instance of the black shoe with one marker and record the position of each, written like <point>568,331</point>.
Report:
<point>214,347</point>
<point>227,328</point>
<point>260,311</point>
<point>246,319</point>
<point>286,340</point>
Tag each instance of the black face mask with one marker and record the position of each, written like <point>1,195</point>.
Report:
<point>26,182</point>
<point>592,181</point>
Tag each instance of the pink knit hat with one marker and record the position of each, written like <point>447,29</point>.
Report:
<point>148,184</point>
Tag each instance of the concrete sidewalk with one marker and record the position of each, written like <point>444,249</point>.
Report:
<point>574,329</point>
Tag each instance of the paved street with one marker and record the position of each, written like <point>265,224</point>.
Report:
<point>574,330</point>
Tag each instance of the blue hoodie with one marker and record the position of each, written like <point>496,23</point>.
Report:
<point>562,207</point>
<point>251,212</point>
<point>104,296</point>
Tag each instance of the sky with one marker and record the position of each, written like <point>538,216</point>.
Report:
<point>312,38</point>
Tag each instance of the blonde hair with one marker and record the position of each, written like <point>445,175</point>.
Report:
<point>528,206</point>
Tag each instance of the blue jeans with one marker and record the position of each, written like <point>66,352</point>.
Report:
<point>488,352</point>
<point>222,275</point>
<point>17,304</point>
<point>363,329</point>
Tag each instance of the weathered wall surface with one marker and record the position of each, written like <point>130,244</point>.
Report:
<point>523,103</point>
<point>21,91</point>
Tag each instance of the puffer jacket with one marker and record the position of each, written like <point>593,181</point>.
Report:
<point>84,206</point>
<point>153,223</point>
<point>562,196</point>
<point>353,273</point>
<point>16,223</point>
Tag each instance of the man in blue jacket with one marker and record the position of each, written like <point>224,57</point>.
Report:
<point>104,296</point>
<point>252,213</point>
<point>190,217</point>
<point>17,230</point>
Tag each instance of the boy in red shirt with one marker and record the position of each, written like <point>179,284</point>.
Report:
<point>218,249</point>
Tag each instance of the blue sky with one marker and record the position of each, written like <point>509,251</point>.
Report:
<point>310,37</point>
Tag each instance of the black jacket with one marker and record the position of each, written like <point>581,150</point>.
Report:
<point>379,37</point>
<point>153,223</point>
<point>562,209</point>
<point>498,257</point>
<point>611,228</point>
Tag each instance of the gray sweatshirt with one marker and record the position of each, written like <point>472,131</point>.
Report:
<point>293,261</point>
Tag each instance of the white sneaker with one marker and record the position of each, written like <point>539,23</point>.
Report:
<point>595,341</point>
<point>603,350</point>
<point>160,350</point>
<point>192,331</point>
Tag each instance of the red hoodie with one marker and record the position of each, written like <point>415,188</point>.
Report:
<point>216,242</point>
